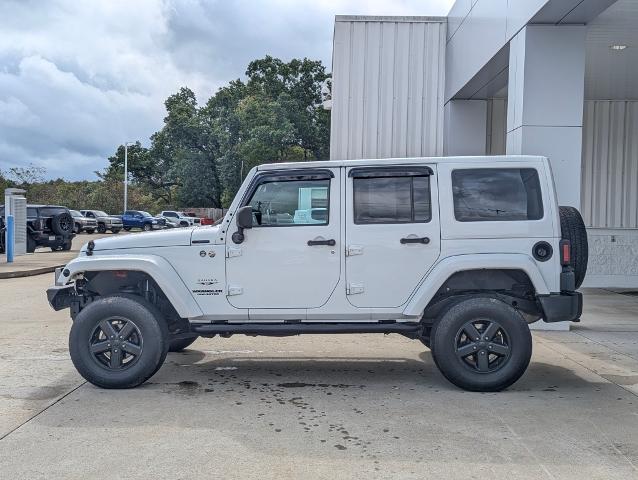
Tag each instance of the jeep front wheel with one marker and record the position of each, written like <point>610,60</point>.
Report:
<point>482,345</point>
<point>118,341</point>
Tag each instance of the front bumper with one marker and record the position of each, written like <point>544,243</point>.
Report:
<point>61,296</point>
<point>562,307</point>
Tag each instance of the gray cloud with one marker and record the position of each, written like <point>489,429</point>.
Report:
<point>79,78</point>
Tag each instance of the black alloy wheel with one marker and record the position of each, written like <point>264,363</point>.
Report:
<point>482,345</point>
<point>116,343</point>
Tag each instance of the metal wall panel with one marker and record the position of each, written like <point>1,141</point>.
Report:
<point>387,87</point>
<point>610,164</point>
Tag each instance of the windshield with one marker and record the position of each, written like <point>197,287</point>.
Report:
<point>145,214</point>
<point>75,213</point>
<point>100,213</point>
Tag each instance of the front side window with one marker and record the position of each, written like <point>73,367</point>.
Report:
<point>496,194</point>
<point>294,202</point>
<point>392,199</point>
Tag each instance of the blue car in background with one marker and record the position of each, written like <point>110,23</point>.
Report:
<point>142,220</point>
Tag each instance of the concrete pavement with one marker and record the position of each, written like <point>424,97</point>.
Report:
<point>364,406</point>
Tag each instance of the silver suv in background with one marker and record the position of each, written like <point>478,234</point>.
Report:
<point>181,218</point>
<point>104,220</point>
<point>82,223</point>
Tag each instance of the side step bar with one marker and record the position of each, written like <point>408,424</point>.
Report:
<point>412,330</point>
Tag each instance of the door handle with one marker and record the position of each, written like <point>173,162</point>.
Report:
<point>312,243</point>
<point>423,240</point>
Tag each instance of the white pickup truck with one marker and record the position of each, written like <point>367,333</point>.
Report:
<point>461,253</point>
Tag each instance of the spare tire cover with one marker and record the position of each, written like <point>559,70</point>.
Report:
<point>573,229</point>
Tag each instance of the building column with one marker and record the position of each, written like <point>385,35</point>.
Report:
<point>545,101</point>
<point>465,127</point>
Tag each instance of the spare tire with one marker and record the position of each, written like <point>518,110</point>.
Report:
<point>62,223</point>
<point>573,229</point>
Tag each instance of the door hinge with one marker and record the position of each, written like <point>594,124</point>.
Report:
<point>354,288</point>
<point>234,290</point>
<point>233,252</point>
<point>354,250</point>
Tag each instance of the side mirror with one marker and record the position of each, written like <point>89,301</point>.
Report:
<point>243,219</point>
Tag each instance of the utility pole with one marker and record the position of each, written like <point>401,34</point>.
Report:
<point>126,144</point>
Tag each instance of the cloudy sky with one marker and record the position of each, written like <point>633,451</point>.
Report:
<point>77,78</point>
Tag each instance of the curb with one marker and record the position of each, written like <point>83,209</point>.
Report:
<point>29,273</point>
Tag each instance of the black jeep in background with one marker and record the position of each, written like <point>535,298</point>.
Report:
<point>47,226</point>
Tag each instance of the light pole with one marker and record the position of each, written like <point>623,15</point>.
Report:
<point>126,144</point>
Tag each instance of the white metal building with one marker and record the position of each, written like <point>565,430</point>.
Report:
<point>552,77</point>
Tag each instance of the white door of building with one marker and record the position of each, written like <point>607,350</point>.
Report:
<point>392,232</point>
<point>290,258</point>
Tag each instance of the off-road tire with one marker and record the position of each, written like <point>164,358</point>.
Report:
<point>180,344</point>
<point>573,229</point>
<point>502,371</point>
<point>101,228</point>
<point>154,342</point>
<point>31,244</point>
<point>62,223</point>
<point>66,246</point>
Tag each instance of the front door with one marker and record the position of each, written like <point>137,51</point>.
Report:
<point>392,232</point>
<point>290,258</point>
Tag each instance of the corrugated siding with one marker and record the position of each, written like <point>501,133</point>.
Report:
<point>610,164</point>
<point>387,91</point>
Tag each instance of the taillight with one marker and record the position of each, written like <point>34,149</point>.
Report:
<point>565,252</point>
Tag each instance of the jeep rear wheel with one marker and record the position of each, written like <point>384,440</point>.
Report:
<point>118,341</point>
<point>482,344</point>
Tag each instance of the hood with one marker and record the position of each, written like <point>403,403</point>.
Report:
<point>162,238</point>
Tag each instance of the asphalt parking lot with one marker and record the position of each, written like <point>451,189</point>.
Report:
<point>366,406</point>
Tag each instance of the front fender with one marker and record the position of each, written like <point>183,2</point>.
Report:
<point>158,268</point>
<point>458,263</point>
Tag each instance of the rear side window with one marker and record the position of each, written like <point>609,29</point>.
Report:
<point>51,211</point>
<point>496,194</point>
<point>392,199</point>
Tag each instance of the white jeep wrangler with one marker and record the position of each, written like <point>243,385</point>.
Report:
<point>461,253</point>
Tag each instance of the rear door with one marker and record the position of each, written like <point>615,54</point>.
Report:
<point>392,232</point>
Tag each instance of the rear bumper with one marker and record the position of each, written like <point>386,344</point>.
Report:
<point>562,307</point>
<point>49,240</point>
